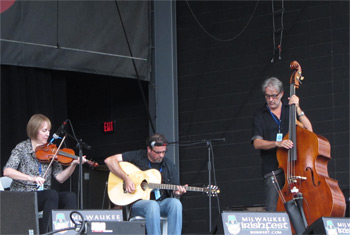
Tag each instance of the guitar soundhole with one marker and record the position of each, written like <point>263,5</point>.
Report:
<point>144,185</point>
<point>124,190</point>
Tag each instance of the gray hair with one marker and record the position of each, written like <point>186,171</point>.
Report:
<point>272,82</point>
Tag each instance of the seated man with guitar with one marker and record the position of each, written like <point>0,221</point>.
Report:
<point>163,202</point>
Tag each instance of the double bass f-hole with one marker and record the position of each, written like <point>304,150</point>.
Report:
<point>312,177</point>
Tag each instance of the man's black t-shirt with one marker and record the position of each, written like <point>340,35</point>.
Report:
<point>266,127</point>
<point>166,167</point>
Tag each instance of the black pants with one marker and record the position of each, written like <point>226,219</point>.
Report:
<point>271,194</point>
<point>49,200</point>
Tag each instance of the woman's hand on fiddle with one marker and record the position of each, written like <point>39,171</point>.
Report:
<point>77,161</point>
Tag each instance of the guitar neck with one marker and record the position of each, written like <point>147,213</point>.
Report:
<point>173,187</point>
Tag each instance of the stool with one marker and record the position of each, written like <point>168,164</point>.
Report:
<point>163,220</point>
<point>163,223</point>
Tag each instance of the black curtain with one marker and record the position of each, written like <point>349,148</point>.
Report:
<point>82,36</point>
<point>24,92</point>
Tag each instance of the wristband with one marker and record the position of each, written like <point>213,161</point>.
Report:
<point>301,114</point>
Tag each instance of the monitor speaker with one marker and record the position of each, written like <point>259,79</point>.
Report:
<point>19,213</point>
<point>329,225</point>
<point>122,227</point>
<point>316,228</point>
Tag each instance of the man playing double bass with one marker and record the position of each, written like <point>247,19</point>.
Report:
<point>270,125</point>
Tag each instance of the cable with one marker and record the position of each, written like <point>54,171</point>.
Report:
<point>57,24</point>
<point>280,30</point>
<point>81,228</point>
<point>187,143</point>
<point>104,195</point>
<point>216,38</point>
<point>71,49</point>
<point>137,74</point>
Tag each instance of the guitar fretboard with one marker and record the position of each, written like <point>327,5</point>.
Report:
<point>173,187</point>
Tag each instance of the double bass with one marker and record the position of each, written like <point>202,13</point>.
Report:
<point>307,183</point>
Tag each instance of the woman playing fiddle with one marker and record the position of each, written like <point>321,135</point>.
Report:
<point>28,173</point>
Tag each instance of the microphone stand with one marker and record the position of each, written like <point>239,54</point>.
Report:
<point>80,144</point>
<point>210,167</point>
<point>80,181</point>
<point>209,182</point>
<point>209,146</point>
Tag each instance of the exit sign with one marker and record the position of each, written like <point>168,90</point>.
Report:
<point>108,127</point>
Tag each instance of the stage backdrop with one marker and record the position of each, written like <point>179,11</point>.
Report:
<point>84,36</point>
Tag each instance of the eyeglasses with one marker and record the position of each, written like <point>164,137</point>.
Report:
<point>159,152</point>
<point>272,96</point>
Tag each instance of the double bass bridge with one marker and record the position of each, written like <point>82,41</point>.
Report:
<point>295,178</point>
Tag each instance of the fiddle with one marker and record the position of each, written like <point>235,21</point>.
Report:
<point>44,153</point>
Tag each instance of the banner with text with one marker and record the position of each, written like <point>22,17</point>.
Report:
<point>61,219</point>
<point>235,223</point>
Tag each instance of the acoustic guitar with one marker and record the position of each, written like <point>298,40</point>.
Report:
<point>145,182</point>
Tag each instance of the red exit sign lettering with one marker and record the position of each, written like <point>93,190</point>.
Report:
<point>108,127</point>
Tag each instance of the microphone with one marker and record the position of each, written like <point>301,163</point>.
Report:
<point>220,139</point>
<point>59,131</point>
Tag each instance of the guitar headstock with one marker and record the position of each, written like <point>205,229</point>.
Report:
<point>212,190</point>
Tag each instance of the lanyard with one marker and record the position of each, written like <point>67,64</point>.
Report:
<point>40,170</point>
<point>160,170</point>
<point>156,190</point>
<point>276,120</point>
<point>40,188</point>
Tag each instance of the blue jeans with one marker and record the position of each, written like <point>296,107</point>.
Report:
<point>153,210</point>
